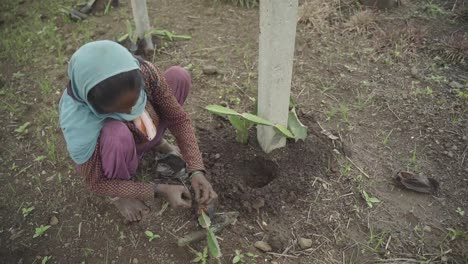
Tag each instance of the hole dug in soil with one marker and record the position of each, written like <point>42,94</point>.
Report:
<point>259,172</point>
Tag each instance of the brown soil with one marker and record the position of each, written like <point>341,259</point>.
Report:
<point>382,82</point>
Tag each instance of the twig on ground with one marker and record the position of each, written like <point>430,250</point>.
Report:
<point>178,229</point>
<point>357,167</point>
<point>393,112</point>
<point>281,255</point>
<point>395,260</point>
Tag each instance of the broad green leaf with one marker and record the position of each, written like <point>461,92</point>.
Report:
<point>283,131</point>
<point>204,220</point>
<point>23,128</point>
<point>366,196</point>
<point>242,127</point>
<point>295,126</point>
<point>149,233</point>
<point>213,245</point>
<point>369,204</point>
<point>197,259</point>
<point>236,259</point>
<point>374,200</point>
<point>221,110</point>
<point>257,120</point>
<point>122,38</point>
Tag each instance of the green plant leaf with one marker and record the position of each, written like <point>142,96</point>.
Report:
<point>242,127</point>
<point>149,233</point>
<point>295,126</point>
<point>374,200</point>
<point>204,220</point>
<point>236,259</point>
<point>40,230</point>
<point>23,128</point>
<point>221,110</point>
<point>256,119</point>
<point>283,131</point>
<point>213,245</point>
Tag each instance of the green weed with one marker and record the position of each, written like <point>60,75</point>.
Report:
<point>27,211</point>
<point>433,10</point>
<point>376,240</point>
<point>151,236</point>
<point>460,211</point>
<point>387,138</point>
<point>369,200</point>
<point>40,230</point>
<point>240,257</point>
<point>45,259</point>
<point>201,257</point>
<point>413,163</point>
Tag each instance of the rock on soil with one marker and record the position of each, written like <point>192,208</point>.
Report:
<point>263,246</point>
<point>456,85</point>
<point>210,70</point>
<point>304,243</point>
<point>53,220</point>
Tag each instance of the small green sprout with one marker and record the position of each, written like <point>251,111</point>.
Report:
<point>27,210</point>
<point>370,200</point>
<point>151,236</point>
<point>41,230</point>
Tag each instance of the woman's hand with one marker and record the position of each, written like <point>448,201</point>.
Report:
<point>204,193</point>
<point>176,195</point>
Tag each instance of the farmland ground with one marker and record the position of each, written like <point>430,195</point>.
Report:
<point>392,86</point>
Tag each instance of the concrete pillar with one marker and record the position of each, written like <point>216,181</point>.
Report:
<point>142,23</point>
<point>278,20</point>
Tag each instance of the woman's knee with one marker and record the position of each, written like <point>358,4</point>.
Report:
<point>118,151</point>
<point>179,81</point>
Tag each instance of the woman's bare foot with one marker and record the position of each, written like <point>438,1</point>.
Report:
<point>165,147</point>
<point>132,209</point>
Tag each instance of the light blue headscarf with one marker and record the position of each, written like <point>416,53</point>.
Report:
<point>80,123</point>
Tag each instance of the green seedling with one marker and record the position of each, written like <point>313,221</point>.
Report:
<point>41,230</point>
<point>243,122</point>
<point>151,236</point>
<point>27,210</point>
<point>88,252</point>
<point>45,259</point>
<point>213,245</point>
<point>241,257</point>
<point>167,34</point>
<point>456,233</point>
<point>23,129</point>
<point>460,211</point>
<point>201,257</point>
<point>40,158</point>
<point>108,7</point>
<point>344,171</point>
<point>369,200</point>
<point>18,75</point>
<point>387,138</point>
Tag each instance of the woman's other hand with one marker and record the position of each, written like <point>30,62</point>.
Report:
<point>176,195</point>
<point>204,193</point>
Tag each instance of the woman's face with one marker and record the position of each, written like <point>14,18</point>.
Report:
<point>124,103</point>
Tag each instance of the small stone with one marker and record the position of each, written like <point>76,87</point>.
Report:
<point>465,138</point>
<point>304,243</point>
<point>263,246</point>
<point>135,261</point>
<point>53,221</point>
<point>210,70</point>
<point>450,154</point>
<point>258,203</point>
<point>454,147</point>
<point>415,72</point>
<point>217,156</point>
<point>444,259</point>
<point>456,85</point>
<point>427,229</point>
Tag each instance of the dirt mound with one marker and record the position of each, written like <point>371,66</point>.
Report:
<point>246,178</point>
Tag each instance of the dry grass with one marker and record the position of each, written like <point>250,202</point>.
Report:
<point>319,14</point>
<point>454,47</point>
<point>362,21</point>
<point>400,40</point>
